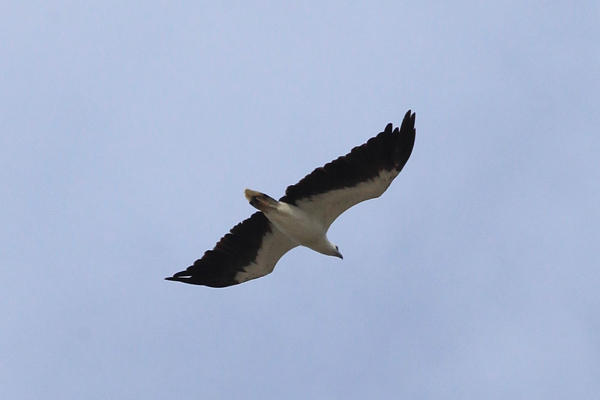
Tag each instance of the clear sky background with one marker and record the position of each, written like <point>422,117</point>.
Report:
<point>129,132</point>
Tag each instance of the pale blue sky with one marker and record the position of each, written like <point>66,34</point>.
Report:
<point>129,132</point>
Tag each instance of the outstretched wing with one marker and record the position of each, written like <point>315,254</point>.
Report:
<point>364,173</point>
<point>250,250</point>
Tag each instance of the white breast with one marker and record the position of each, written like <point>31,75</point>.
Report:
<point>299,226</point>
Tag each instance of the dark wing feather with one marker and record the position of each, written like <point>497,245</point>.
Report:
<point>364,173</point>
<point>387,151</point>
<point>250,250</point>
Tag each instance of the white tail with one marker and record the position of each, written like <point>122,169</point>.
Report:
<point>260,200</point>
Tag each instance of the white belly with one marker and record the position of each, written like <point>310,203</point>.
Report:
<point>298,226</point>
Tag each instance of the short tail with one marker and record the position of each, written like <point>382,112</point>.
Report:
<point>260,200</point>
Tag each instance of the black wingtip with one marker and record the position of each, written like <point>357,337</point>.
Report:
<point>406,141</point>
<point>408,123</point>
<point>409,117</point>
<point>181,276</point>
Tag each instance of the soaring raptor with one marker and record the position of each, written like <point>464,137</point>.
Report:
<point>302,217</point>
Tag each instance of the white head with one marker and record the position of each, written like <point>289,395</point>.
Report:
<point>337,253</point>
<point>333,250</point>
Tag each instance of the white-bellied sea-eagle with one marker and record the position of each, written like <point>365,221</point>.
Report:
<point>302,217</point>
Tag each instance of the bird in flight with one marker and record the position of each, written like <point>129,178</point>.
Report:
<point>302,217</point>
